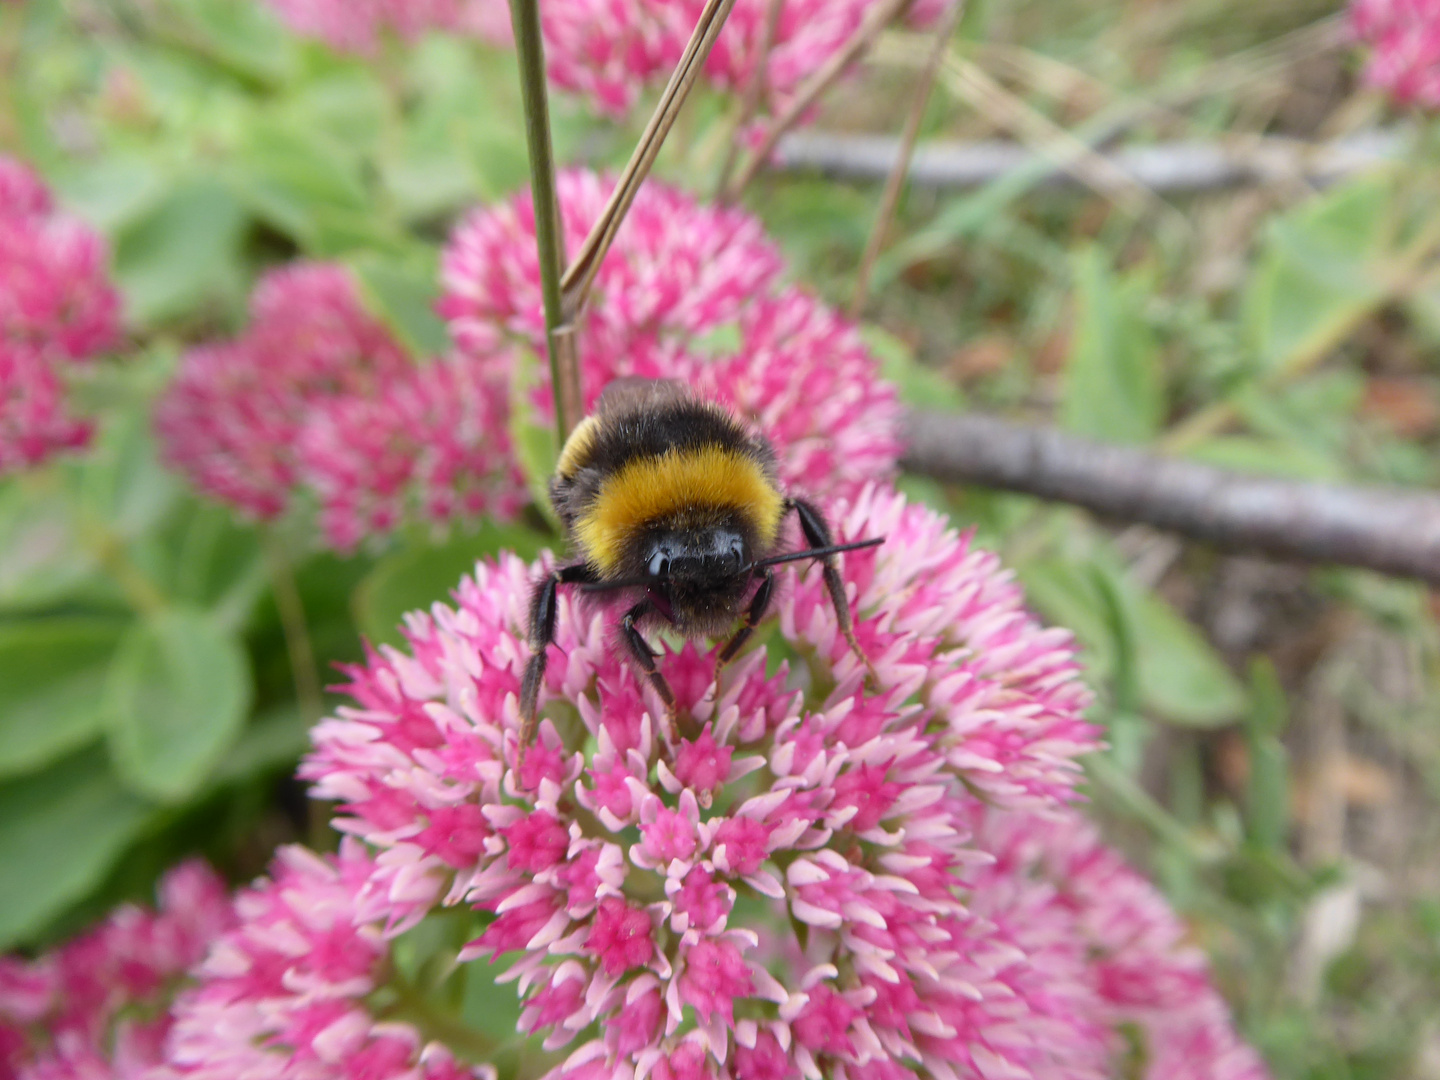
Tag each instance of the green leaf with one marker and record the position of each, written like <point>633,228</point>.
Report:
<point>177,694</point>
<point>346,105</point>
<point>414,579</point>
<point>60,832</point>
<point>241,35</point>
<point>917,385</point>
<point>306,186</point>
<point>112,192</point>
<point>1112,383</point>
<point>450,152</point>
<point>52,681</point>
<point>490,1007</point>
<point>41,561</point>
<point>183,252</point>
<point>274,740</point>
<point>1317,271</point>
<point>1181,678</point>
<point>1176,675</point>
<point>1065,593</point>
<point>405,302</point>
<point>121,479</point>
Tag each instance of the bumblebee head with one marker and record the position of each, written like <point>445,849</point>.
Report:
<point>697,576</point>
<point>695,557</point>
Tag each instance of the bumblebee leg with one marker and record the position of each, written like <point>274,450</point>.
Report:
<point>644,656</point>
<point>543,608</point>
<point>817,535</point>
<point>759,604</point>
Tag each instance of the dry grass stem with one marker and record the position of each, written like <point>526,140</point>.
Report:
<point>899,170</point>
<point>812,88</point>
<point>967,81</point>
<point>580,275</point>
<point>754,90</point>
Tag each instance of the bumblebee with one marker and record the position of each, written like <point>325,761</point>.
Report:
<point>671,499</point>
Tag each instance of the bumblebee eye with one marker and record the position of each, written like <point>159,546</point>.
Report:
<point>659,565</point>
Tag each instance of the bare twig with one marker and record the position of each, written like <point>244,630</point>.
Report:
<point>581,273</point>
<point>1264,61</point>
<point>876,19</point>
<point>900,167</point>
<point>1178,167</point>
<point>1386,529</point>
<point>549,238</point>
<point>754,91</point>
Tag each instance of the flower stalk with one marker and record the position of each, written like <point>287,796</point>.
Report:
<point>559,331</point>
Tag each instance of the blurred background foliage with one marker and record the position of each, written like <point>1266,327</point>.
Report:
<point>1273,731</point>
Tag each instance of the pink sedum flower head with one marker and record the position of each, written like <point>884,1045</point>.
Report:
<point>99,1005</point>
<point>689,292</point>
<point>1142,970</point>
<point>35,421</point>
<point>232,416</point>
<point>1404,39</point>
<point>773,888</point>
<point>431,444</point>
<point>612,51</point>
<point>284,993</point>
<point>57,306</point>
<point>360,27</point>
<point>22,192</point>
<point>319,395</point>
<point>55,291</point>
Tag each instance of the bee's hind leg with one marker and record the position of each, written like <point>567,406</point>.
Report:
<point>817,535</point>
<point>543,609</point>
<point>644,655</point>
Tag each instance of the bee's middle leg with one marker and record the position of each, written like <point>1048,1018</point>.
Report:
<point>817,535</point>
<point>759,604</point>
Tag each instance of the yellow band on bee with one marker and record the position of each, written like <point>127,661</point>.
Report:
<point>577,447</point>
<point>648,489</point>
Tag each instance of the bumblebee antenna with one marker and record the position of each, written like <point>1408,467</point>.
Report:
<point>623,583</point>
<point>817,553</point>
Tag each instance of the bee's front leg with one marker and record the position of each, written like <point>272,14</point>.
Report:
<point>543,610</point>
<point>759,604</point>
<point>644,655</point>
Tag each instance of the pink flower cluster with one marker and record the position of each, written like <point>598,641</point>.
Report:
<point>98,1006</point>
<point>797,878</point>
<point>1404,38</point>
<point>688,292</point>
<point>611,51</point>
<point>318,395</point>
<point>1065,897</point>
<point>360,26</point>
<point>57,307</point>
<point>283,995</point>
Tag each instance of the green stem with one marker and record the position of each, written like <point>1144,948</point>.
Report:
<point>109,551</point>
<point>295,629</point>
<point>412,1006</point>
<point>10,27</point>
<point>550,241</point>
